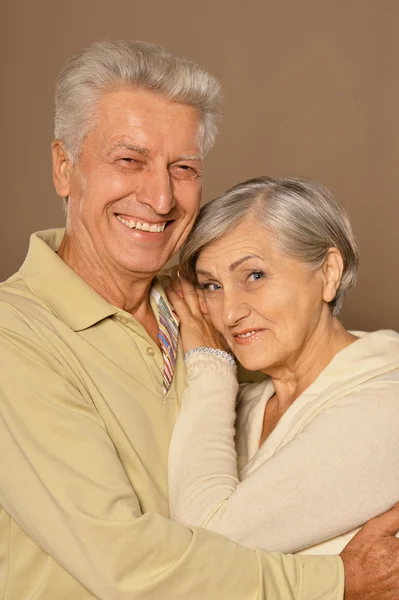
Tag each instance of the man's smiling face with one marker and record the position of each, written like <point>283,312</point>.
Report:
<point>135,189</point>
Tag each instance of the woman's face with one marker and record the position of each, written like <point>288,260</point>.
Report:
<point>265,304</point>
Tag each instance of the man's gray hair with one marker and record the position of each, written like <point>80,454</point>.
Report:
<point>302,216</point>
<point>108,64</point>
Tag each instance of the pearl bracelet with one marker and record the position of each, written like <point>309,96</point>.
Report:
<point>218,352</point>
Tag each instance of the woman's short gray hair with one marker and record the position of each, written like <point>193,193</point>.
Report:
<point>301,215</point>
<point>106,65</point>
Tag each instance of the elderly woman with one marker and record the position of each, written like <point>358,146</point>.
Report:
<point>301,460</point>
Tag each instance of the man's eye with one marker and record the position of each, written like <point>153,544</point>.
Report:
<point>184,172</point>
<point>129,161</point>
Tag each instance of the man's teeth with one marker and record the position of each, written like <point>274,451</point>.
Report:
<point>245,335</point>
<point>154,228</point>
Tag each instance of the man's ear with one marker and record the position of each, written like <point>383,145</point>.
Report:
<point>332,272</point>
<point>62,166</point>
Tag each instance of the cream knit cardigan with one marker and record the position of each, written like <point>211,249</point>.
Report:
<point>331,463</point>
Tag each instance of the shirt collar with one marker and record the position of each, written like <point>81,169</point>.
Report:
<point>52,280</point>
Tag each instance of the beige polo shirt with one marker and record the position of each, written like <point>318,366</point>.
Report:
<point>84,436</point>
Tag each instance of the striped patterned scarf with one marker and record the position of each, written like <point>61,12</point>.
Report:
<point>168,332</point>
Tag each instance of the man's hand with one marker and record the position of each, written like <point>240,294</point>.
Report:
<point>371,560</point>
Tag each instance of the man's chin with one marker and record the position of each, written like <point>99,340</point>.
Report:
<point>143,267</point>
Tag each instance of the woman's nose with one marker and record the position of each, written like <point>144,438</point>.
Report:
<point>234,308</point>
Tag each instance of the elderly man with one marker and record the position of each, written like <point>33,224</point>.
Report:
<point>91,375</point>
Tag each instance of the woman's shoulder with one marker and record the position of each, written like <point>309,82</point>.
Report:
<point>370,355</point>
<point>381,340</point>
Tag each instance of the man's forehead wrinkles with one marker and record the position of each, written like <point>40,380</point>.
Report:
<point>130,147</point>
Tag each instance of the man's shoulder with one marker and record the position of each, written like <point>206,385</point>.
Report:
<point>11,290</point>
<point>11,282</point>
<point>18,304</point>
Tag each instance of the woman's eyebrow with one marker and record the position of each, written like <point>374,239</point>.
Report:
<point>205,273</point>
<point>239,262</point>
<point>233,265</point>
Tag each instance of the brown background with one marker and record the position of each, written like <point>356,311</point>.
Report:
<point>311,88</point>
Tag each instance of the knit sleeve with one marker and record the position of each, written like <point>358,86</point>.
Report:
<point>341,470</point>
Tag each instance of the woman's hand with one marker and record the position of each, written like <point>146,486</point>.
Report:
<point>196,330</point>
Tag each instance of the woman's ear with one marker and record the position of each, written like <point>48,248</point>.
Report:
<point>332,272</point>
<point>62,166</point>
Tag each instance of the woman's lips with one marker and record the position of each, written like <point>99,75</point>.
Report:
<point>248,336</point>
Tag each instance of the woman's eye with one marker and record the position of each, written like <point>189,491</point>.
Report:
<point>256,275</point>
<point>209,287</point>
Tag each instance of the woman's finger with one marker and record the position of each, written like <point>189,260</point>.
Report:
<point>179,304</point>
<point>195,331</point>
<point>174,281</point>
<point>190,295</point>
<point>202,302</point>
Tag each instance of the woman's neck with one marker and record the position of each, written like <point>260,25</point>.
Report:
<point>324,343</point>
<point>290,381</point>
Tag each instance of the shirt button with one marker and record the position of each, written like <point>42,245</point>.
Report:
<point>150,351</point>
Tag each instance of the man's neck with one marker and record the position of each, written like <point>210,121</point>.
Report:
<point>129,292</point>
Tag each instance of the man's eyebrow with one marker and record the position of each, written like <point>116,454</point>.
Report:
<point>145,151</point>
<point>239,262</point>
<point>188,157</point>
<point>130,147</point>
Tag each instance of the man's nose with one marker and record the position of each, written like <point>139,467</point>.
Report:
<point>157,191</point>
<point>234,308</point>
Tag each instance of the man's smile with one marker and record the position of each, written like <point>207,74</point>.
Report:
<point>142,225</point>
